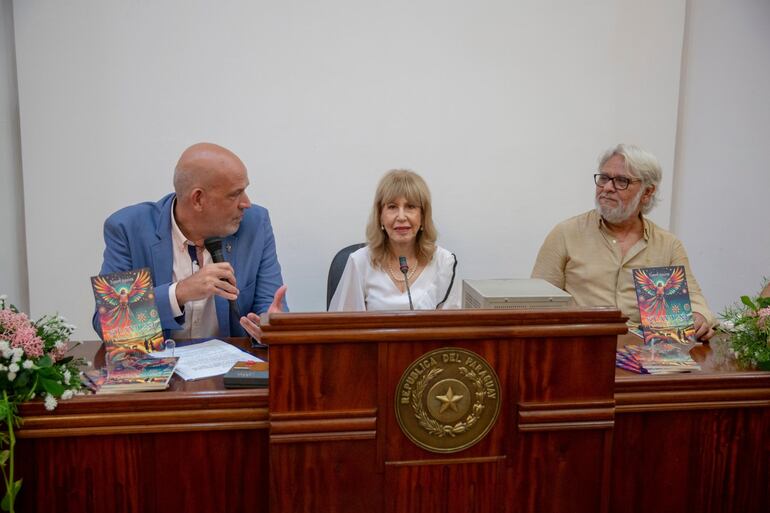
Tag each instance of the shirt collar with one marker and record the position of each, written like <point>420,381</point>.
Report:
<point>646,225</point>
<point>180,241</point>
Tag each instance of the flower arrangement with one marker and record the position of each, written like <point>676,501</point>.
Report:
<point>32,364</point>
<point>748,324</point>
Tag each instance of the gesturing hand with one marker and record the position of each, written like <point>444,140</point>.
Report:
<point>250,321</point>
<point>210,280</point>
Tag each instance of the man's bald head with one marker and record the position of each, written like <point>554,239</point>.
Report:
<point>210,183</point>
<point>202,165</point>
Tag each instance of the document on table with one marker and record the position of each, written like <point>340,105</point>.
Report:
<point>205,359</point>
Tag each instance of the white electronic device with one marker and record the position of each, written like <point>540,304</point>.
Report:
<point>513,294</point>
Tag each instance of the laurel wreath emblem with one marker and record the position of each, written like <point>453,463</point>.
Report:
<point>436,428</point>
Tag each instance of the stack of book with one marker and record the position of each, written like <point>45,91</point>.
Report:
<point>661,358</point>
<point>134,375</point>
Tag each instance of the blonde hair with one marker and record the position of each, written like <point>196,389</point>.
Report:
<point>401,183</point>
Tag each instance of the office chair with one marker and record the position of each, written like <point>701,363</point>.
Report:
<point>336,268</point>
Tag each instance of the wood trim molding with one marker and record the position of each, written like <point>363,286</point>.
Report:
<point>41,426</point>
<point>311,426</point>
<point>682,392</point>
<point>563,416</point>
<point>410,335</point>
<point>425,319</point>
<point>445,461</point>
<point>326,414</point>
<point>297,438</point>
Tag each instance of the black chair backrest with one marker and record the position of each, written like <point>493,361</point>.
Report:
<point>335,270</point>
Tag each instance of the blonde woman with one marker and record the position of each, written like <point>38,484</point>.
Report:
<point>400,225</point>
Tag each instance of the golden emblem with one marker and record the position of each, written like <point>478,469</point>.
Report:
<point>447,400</point>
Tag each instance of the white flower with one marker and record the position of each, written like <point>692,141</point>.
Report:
<point>67,376</point>
<point>66,395</point>
<point>17,354</point>
<point>50,402</point>
<point>3,367</point>
<point>11,376</point>
<point>7,353</point>
<point>60,345</point>
<point>14,367</point>
<point>728,325</point>
<point>27,364</point>
<point>4,346</point>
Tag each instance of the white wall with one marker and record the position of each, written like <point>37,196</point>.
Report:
<point>722,189</point>
<point>13,251</point>
<point>503,106</point>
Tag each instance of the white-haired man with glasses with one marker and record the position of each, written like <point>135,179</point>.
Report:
<point>591,255</point>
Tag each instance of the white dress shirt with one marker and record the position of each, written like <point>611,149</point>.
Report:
<point>200,316</point>
<point>362,287</point>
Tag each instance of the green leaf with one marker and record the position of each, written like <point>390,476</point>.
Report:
<point>64,361</point>
<point>746,300</point>
<point>4,456</point>
<point>3,409</point>
<point>52,387</point>
<point>6,504</point>
<point>45,362</point>
<point>21,380</point>
<point>17,487</point>
<point>763,302</point>
<point>49,373</point>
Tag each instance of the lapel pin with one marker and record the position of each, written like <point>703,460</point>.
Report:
<point>229,247</point>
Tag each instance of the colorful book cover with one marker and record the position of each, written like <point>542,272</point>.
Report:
<point>664,304</point>
<point>138,375</point>
<point>658,358</point>
<point>125,304</point>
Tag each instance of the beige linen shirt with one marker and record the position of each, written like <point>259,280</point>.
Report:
<point>580,257</point>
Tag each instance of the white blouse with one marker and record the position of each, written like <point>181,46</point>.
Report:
<point>362,287</point>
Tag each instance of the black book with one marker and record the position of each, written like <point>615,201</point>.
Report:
<point>247,375</point>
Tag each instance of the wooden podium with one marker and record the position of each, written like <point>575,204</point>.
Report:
<point>335,443</point>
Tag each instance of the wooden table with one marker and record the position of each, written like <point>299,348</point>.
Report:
<point>693,442</point>
<point>194,447</point>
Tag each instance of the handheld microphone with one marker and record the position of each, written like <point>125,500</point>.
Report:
<point>405,269</point>
<point>214,246</point>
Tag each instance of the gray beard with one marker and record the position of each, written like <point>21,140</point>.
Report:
<point>620,213</point>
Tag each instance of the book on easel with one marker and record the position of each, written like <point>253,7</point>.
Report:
<point>666,322</point>
<point>128,317</point>
<point>131,330</point>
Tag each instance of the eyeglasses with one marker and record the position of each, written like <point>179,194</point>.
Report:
<point>621,183</point>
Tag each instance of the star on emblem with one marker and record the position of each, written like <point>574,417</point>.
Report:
<point>448,400</point>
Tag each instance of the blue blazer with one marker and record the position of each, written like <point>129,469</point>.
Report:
<point>140,236</point>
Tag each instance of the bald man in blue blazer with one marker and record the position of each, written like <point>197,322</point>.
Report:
<point>192,291</point>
